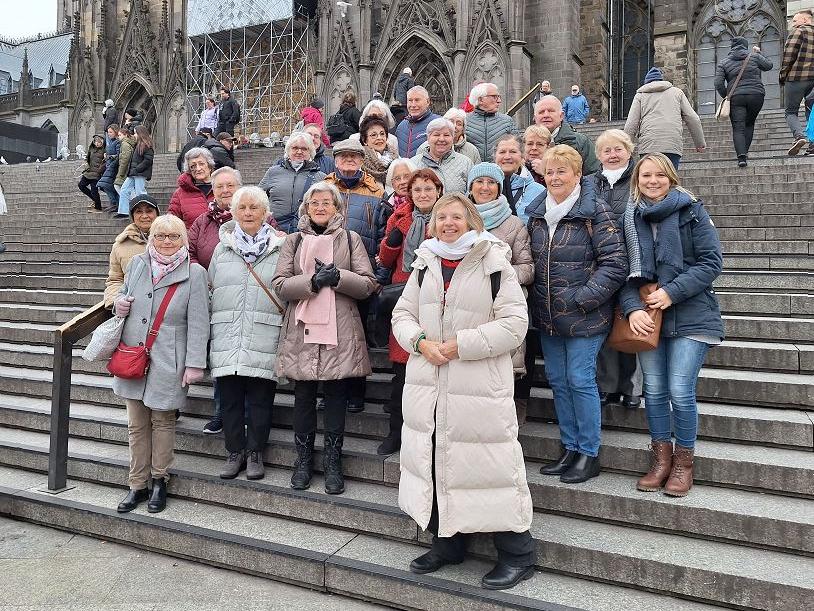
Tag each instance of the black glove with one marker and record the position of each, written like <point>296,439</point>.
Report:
<point>395,238</point>
<point>325,275</point>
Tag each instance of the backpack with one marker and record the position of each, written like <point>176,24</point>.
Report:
<point>337,127</point>
<point>494,279</point>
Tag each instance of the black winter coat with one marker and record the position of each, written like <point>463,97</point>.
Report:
<point>141,164</point>
<point>751,82</point>
<point>404,83</point>
<point>195,141</point>
<point>578,273</point>
<point>615,197</point>
<point>219,152</point>
<point>227,114</point>
<point>695,309</point>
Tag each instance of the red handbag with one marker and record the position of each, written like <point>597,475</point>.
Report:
<point>133,362</point>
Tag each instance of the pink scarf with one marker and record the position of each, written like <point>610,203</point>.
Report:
<point>318,313</point>
<point>162,265</point>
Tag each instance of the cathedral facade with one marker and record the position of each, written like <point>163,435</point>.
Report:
<point>135,51</point>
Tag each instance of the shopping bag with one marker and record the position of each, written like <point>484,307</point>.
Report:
<point>105,340</point>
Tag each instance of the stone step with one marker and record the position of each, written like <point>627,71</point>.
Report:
<point>54,268</point>
<point>780,304</point>
<point>80,283</point>
<point>729,234</point>
<point>739,516</point>
<point>776,247</point>
<point>373,568</point>
<point>768,282</point>
<point>799,330</point>
<point>753,262</point>
<point>18,312</point>
<point>42,296</point>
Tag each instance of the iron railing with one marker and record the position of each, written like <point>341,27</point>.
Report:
<point>524,102</point>
<point>65,338</point>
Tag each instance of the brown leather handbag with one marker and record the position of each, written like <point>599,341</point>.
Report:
<point>622,339</point>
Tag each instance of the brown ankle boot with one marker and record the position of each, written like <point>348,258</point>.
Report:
<point>680,480</point>
<point>521,405</point>
<point>661,461</point>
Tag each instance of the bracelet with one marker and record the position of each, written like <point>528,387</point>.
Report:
<point>418,341</point>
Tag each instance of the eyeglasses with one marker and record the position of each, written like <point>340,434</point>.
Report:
<point>497,96</point>
<point>161,237</point>
<point>322,205</point>
<point>300,149</point>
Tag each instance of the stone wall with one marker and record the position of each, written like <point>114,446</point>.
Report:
<point>553,38</point>
<point>671,44</point>
<point>594,52</point>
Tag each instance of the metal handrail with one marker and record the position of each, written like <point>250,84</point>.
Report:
<point>65,337</point>
<point>522,101</point>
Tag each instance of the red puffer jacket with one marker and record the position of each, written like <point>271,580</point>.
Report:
<point>310,114</point>
<point>393,258</point>
<point>188,202</point>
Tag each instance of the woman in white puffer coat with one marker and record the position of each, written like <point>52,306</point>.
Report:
<point>462,471</point>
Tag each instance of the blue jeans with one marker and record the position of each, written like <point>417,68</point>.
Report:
<point>134,185</point>
<point>670,376</point>
<point>674,157</point>
<point>570,366</point>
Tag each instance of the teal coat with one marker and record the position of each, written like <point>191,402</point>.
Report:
<point>245,323</point>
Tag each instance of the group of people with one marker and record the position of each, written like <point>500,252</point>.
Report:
<point>477,247</point>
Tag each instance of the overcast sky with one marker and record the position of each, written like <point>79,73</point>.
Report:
<point>27,17</point>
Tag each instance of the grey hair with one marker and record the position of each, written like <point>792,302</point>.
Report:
<point>253,193</point>
<point>228,170</point>
<point>419,89</point>
<point>385,110</point>
<point>391,169</point>
<point>301,136</point>
<point>456,113</point>
<point>323,186</point>
<point>517,139</point>
<point>478,91</point>
<point>196,152</point>
<point>439,124</point>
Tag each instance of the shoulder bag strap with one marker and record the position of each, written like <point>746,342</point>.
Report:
<point>265,288</point>
<point>740,74</point>
<point>159,316</point>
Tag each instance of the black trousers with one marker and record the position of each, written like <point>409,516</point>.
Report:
<point>229,128</point>
<point>522,386</point>
<point>305,406</point>
<point>357,387</point>
<point>396,393</point>
<point>513,549</point>
<point>88,187</point>
<point>246,403</point>
<point>616,372</point>
<point>743,112</point>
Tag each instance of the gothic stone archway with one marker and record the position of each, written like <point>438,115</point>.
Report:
<point>429,71</point>
<point>136,96</point>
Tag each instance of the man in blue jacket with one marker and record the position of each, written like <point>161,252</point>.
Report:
<point>576,107</point>
<point>412,131</point>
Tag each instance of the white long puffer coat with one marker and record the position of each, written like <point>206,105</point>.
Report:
<point>480,476</point>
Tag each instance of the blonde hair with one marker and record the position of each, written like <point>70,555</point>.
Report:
<point>169,223</point>
<point>563,153</point>
<point>251,193</point>
<point>537,130</point>
<point>473,218</point>
<point>665,165</point>
<point>614,135</point>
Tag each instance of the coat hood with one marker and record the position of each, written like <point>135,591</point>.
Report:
<point>739,42</point>
<point>131,232</point>
<point>337,223</point>
<point>226,236</point>
<point>655,87</point>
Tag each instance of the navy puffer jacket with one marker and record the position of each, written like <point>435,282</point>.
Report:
<point>695,309</point>
<point>617,196</point>
<point>577,274</point>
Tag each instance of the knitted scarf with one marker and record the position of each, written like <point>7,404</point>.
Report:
<point>162,265</point>
<point>415,236</point>
<point>460,247</point>
<point>251,248</point>
<point>646,253</point>
<point>399,201</point>
<point>349,182</point>
<point>495,212</point>
<point>217,214</point>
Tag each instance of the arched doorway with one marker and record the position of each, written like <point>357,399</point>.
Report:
<point>759,22</point>
<point>136,96</point>
<point>429,71</point>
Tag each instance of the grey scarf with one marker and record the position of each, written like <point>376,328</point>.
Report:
<point>251,248</point>
<point>414,237</point>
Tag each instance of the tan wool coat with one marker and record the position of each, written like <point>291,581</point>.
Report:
<point>480,476</point>
<point>349,359</point>
<point>128,244</point>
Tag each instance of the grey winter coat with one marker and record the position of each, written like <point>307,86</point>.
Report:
<point>245,324</point>
<point>181,340</point>
<point>484,128</point>
<point>453,169</point>
<point>656,117</point>
<point>349,359</point>
<point>285,187</point>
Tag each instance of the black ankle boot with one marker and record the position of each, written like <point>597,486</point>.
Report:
<point>158,499</point>
<point>332,464</point>
<point>304,465</point>
<point>133,499</point>
<point>390,445</point>
<point>582,469</point>
<point>561,465</point>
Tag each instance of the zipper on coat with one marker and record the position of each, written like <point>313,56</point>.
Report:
<point>548,282</point>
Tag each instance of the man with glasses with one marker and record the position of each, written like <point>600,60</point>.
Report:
<point>485,124</point>
<point>576,107</point>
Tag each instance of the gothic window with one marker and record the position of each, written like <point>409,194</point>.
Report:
<point>631,51</point>
<point>719,22</point>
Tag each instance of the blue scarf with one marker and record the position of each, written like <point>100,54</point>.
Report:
<point>495,212</point>
<point>350,182</point>
<point>663,253</point>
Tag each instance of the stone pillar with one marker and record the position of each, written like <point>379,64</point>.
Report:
<point>672,48</point>
<point>594,52</point>
<point>553,38</point>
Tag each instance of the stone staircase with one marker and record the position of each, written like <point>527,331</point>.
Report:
<point>744,538</point>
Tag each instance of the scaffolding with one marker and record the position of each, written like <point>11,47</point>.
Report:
<point>260,51</point>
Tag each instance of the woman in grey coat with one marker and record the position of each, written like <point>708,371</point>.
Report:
<point>246,320</point>
<point>177,358</point>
